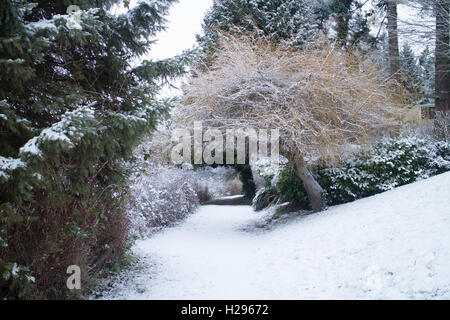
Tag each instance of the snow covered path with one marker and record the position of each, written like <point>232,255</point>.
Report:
<point>391,246</point>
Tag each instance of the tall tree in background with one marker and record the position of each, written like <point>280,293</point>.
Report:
<point>394,55</point>
<point>291,22</point>
<point>343,14</point>
<point>352,29</point>
<point>433,29</point>
<point>427,73</point>
<point>410,74</point>
<point>442,85</point>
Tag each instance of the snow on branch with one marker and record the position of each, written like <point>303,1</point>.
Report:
<point>8,165</point>
<point>66,132</point>
<point>322,99</point>
<point>64,23</point>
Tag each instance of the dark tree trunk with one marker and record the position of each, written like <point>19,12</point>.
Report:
<point>315,192</point>
<point>442,56</point>
<point>394,55</point>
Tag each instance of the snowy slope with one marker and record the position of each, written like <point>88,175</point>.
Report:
<point>394,245</point>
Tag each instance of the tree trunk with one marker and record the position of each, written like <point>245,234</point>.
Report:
<point>315,192</point>
<point>394,55</point>
<point>442,79</point>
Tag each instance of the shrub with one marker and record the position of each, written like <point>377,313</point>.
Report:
<point>319,98</point>
<point>162,196</point>
<point>216,180</point>
<point>264,198</point>
<point>441,126</point>
<point>291,188</point>
<point>203,193</point>
<point>37,248</point>
<point>389,164</point>
<point>234,187</point>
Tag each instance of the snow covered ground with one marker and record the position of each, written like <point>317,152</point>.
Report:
<point>394,245</point>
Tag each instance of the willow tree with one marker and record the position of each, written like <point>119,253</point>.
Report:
<point>323,100</point>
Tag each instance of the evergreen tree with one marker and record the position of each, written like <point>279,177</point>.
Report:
<point>341,10</point>
<point>439,37</point>
<point>72,107</point>
<point>351,23</point>
<point>291,22</point>
<point>410,73</point>
<point>427,73</point>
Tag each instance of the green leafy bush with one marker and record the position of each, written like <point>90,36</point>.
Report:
<point>291,188</point>
<point>264,198</point>
<point>390,164</point>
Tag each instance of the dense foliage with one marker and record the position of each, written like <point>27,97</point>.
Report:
<point>291,189</point>
<point>289,21</point>
<point>74,100</point>
<point>161,196</point>
<point>389,164</point>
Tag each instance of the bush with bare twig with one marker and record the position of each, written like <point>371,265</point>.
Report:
<point>322,99</point>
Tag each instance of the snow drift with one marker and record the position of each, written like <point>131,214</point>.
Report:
<point>394,245</point>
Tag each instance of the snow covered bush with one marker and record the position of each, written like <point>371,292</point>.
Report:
<point>218,181</point>
<point>234,187</point>
<point>161,196</point>
<point>267,194</point>
<point>20,278</point>
<point>280,185</point>
<point>441,126</point>
<point>391,163</point>
<point>265,197</point>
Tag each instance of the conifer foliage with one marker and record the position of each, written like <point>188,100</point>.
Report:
<point>74,100</point>
<point>291,22</point>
